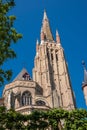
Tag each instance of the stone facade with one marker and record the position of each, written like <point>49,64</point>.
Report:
<point>50,86</point>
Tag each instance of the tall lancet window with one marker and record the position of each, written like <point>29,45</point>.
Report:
<point>26,98</point>
<point>56,57</point>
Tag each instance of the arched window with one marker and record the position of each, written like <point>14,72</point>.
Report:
<point>56,57</point>
<point>40,103</point>
<point>26,98</point>
<point>51,56</point>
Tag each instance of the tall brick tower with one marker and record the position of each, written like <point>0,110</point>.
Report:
<point>50,69</point>
<point>50,86</point>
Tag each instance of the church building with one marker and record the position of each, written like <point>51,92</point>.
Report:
<point>50,85</point>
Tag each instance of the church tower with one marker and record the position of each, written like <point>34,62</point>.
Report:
<point>50,69</point>
<point>50,86</point>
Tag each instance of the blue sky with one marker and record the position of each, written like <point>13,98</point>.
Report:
<point>70,18</point>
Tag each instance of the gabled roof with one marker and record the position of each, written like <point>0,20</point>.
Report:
<point>23,75</point>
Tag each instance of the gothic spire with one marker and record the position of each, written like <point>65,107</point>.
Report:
<point>45,16</point>
<point>37,42</point>
<point>46,28</point>
<point>57,34</point>
<point>57,37</point>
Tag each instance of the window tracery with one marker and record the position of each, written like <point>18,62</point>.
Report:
<point>26,98</point>
<point>40,103</point>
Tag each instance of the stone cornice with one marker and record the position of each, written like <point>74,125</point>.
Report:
<point>20,84</point>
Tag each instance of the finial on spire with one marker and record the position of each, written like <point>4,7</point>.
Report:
<point>57,37</point>
<point>37,42</point>
<point>57,34</point>
<point>37,47</point>
<point>45,15</point>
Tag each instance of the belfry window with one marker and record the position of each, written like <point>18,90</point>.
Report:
<point>40,103</point>
<point>47,53</point>
<point>26,98</point>
<point>51,56</point>
<point>56,57</point>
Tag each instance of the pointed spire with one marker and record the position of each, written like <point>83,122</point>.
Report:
<point>57,34</point>
<point>45,29</point>
<point>37,45</point>
<point>37,42</point>
<point>45,15</point>
<point>57,37</point>
<point>85,74</point>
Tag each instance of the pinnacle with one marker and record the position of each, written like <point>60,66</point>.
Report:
<point>45,16</point>
<point>41,29</point>
<point>57,34</point>
<point>37,42</point>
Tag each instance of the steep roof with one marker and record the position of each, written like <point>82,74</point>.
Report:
<point>23,75</point>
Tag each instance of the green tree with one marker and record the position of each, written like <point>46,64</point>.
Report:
<point>8,36</point>
<point>56,118</point>
<point>76,120</point>
<point>2,118</point>
<point>12,120</point>
<point>15,120</point>
<point>37,120</point>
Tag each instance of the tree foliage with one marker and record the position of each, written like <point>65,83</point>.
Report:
<point>57,119</point>
<point>8,36</point>
<point>76,120</point>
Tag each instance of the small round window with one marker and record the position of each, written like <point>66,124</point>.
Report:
<point>40,103</point>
